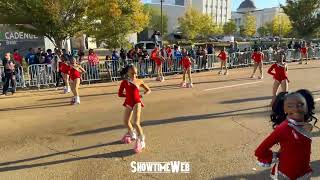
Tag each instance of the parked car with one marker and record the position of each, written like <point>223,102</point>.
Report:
<point>149,45</point>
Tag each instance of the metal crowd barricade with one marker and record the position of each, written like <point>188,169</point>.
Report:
<point>316,53</point>
<point>20,80</point>
<point>41,75</point>
<point>211,60</point>
<point>268,57</point>
<point>105,70</point>
<point>239,59</point>
<point>199,63</point>
<point>112,69</point>
<point>92,72</point>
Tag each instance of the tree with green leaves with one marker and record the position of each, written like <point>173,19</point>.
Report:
<point>155,18</point>
<point>304,16</point>
<point>266,29</point>
<point>281,25</point>
<point>249,25</point>
<point>230,28</point>
<point>197,25</point>
<point>113,20</point>
<point>55,19</point>
<point>263,31</point>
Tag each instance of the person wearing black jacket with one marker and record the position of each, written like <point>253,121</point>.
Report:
<point>9,74</point>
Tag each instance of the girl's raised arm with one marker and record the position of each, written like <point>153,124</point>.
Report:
<point>146,88</point>
<point>82,70</point>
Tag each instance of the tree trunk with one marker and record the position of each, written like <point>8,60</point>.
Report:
<point>58,43</point>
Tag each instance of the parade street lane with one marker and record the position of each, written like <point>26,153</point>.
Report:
<point>215,126</point>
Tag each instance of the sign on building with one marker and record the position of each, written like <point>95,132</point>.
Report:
<point>11,39</point>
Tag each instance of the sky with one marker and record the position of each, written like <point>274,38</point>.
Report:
<point>259,3</point>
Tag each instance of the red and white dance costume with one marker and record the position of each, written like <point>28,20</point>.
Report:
<point>294,155</point>
<point>257,57</point>
<point>133,98</point>
<point>186,63</point>
<point>278,72</point>
<point>75,77</point>
<point>158,61</point>
<point>131,94</point>
<point>223,56</point>
<point>169,56</point>
<point>155,57</point>
<point>74,74</point>
<point>304,51</point>
<point>64,68</point>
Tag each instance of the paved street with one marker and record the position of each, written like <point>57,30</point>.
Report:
<point>215,126</point>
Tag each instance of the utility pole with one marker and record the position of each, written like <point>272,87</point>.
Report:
<point>161,4</point>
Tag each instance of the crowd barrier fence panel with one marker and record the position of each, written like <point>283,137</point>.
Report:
<point>41,75</point>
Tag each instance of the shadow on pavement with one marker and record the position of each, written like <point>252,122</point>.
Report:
<point>116,154</point>
<point>256,99</point>
<point>89,95</point>
<point>299,68</point>
<point>38,106</point>
<point>60,153</point>
<point>178,119</point>
<point>265,174</point>
<point>247,100</point>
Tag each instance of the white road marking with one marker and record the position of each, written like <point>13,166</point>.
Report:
<point>231,86</point>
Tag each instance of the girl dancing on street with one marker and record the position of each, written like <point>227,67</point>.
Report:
<point>186,68</point>
<point>257,57</point>
<point>304,52</point>
<point>75,78</point>
<point>279,71</point>
<point>291,115</point>
<point>133,105</point>
<point>64,68</point>
<point>158,59</point>
<point>223,56</point>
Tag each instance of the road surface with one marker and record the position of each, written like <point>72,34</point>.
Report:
<point>215,126</point>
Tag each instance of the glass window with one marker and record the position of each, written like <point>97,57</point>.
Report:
<point>140,45</point>
<point>150,46</point>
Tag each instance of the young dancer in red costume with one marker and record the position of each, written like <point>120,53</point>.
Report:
<point>186,68</point>
<point>257,57</point>
<point>223,56</point>
<point>64,68</point>
<point>169,57</point>
<point>304,52</point>
<point>279,71</point>
<point>158,59</point>
<point>133,105</point>
<point>75,76</point>
<point>292,114</point>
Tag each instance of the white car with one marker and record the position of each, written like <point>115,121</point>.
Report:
<point>149,45</point>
